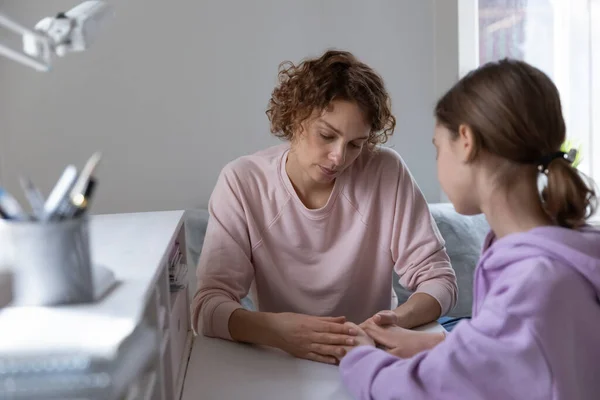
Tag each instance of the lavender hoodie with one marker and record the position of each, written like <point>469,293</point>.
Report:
<point>534,332</point>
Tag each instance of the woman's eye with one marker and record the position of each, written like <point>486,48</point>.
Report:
<point>356,145</point>
<point>326,137</point>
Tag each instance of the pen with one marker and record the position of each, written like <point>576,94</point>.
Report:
<point>86,174</point>
<point>60,192</point>
<point>80,195</point>
<point>81,202</point>
<point>33,195</point>
<point>9,207</point>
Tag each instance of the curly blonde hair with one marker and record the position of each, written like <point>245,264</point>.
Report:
<point>314,83</point>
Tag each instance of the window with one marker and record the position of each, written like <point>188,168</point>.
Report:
<point>560,37</point>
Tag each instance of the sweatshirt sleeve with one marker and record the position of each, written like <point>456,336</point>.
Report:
<point>496,355</point>
<point>224,271</point>
<point>417,247</point>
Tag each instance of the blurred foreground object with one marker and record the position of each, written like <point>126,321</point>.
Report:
<point>71,31</point>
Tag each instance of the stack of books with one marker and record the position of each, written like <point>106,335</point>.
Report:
<point>177,269</point>
<point>77,375</point>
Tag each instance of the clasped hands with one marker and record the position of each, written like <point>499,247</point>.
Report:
<point>383,330</point>
<point>329,339</point>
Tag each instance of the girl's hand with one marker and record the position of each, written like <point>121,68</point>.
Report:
<point>402,342</point>
<point>361,339</point>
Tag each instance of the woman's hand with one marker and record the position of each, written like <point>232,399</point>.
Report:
<point>419,309</point>
<point>323,339</point>
<point>402,342</point>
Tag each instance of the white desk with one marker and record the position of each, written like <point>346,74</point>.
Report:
<point>136,248</point>
<point>220,369</point>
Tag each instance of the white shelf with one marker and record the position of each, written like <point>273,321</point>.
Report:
<point>174,295</point>
<point>164,343</point>
<point>145,388</point>
<point>6,287</point>
<point>151,386</point>
<point>135,247</point>
<point>162,319</point>
<point>183,365</point>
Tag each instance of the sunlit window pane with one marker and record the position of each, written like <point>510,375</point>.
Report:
<point>553,35</point>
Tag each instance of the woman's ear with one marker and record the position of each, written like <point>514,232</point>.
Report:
<point>466,143</point>
<point>298,133</point>
<point>303,128</point>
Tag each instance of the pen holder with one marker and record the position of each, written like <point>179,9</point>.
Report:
<point>50,261</point>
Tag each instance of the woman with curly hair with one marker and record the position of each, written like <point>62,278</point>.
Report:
<point>315,226</point>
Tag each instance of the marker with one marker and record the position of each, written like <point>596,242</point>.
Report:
<point>60,192</point>
<point>9,207</point>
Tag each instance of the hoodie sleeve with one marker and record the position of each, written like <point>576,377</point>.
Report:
<point>467,365</point>
<point>417,247</point>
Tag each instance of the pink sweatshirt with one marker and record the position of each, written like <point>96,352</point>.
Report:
<point>332,261</point>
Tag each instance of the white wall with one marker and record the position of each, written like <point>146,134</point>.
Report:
<point>171,91</point>
<point>447,48</point>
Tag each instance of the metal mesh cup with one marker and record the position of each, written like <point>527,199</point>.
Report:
<point>50,261</point>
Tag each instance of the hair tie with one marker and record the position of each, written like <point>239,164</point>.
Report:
<point>547,159</point>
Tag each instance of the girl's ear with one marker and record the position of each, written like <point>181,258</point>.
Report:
<point>466,143</point>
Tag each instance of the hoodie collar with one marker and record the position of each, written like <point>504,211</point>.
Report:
<point>578,249</point>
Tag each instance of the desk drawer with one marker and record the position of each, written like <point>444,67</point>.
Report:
<point>178,327</point>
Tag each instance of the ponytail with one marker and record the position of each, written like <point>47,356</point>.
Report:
<point>568,199</point>
<point>500,103</point>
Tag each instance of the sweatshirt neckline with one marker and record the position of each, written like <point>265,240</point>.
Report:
<point>317,213</point>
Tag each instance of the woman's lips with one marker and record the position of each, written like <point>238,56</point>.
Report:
<point>328,172</point>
